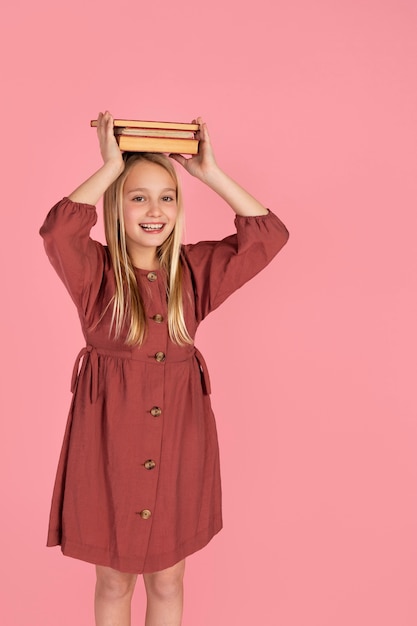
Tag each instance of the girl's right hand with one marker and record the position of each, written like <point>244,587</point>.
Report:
<point>109,148</point>
<point>91,190</point>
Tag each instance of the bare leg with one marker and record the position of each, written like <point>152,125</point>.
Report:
<point>113,596</point>
<point>164,591</point>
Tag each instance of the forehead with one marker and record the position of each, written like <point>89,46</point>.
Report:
<point>148,175</point>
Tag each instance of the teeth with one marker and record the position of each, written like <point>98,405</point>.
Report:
<point>151,226</point>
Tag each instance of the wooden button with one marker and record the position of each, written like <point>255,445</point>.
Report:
<point>149,464</point>
<point>156,411</point>
<point>151,276</point>
<point>145,514</point>
<point>158,318</point>
<point>159,356</point>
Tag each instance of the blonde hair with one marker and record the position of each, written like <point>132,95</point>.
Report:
<point>127,301</point>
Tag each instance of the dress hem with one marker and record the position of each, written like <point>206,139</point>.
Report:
<point>131,564</point>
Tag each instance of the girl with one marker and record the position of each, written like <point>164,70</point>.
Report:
<point>138,482</point>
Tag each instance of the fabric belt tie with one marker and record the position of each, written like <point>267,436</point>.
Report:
<point>89,356</point>
<point>205,379</point>
<point>92,359</point>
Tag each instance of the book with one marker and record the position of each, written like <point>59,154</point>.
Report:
<point>148,124</point>
<point>147,136</point>
<point>130,143</point>
<point>155,132</point>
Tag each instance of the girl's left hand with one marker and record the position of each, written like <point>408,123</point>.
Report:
<point>200,165</point>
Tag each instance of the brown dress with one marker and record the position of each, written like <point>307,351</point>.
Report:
<point>138,481</point>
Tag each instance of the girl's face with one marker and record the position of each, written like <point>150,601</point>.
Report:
<point>149,210</point>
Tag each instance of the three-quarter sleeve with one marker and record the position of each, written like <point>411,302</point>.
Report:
<point>78,260</point>
<point>219,268</point>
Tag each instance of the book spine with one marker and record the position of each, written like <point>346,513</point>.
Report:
<point>157,144</point>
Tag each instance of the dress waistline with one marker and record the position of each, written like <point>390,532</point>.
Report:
<point>89,356</point>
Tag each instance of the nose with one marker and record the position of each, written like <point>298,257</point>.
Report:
<point>154,210</point>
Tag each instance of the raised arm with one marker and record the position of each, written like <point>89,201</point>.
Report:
<point>94,187</point>
<point>204,167</point>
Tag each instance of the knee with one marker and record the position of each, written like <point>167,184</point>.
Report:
<point>166,584</point>
<point>114,585</point>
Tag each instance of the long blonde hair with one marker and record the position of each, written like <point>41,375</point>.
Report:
<point>127,301</point>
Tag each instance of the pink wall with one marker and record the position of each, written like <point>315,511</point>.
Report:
<point>313,106</point>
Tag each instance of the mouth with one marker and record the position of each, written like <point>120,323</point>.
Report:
<point>152,228</point>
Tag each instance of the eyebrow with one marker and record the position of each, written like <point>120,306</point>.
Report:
<point>146,189</point>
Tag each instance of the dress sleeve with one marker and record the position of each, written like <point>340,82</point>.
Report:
<point>78,260</point>
<point>218,268</point>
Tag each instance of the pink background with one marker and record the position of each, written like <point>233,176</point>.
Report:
<point>312,105</point>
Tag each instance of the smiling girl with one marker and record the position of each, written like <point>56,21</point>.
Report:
<point>138,482</point>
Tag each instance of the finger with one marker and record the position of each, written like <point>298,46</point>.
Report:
<point>199,134</point>
<point>204,133</point>
<point>179,158</point>
<point>99,122</point>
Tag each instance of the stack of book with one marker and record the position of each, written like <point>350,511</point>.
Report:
<point>141,136</point>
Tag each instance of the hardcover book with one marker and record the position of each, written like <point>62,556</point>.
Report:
<point>147,136</point>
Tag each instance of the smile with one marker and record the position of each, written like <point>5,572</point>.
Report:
<point>152,228</point>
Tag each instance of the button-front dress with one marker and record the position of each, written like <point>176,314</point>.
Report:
<point>138,481</point>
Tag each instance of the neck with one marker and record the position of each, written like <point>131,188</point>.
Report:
<point>145,259</point>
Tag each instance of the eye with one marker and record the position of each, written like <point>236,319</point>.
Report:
<point>138,199</point>
<point>168,199</point>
